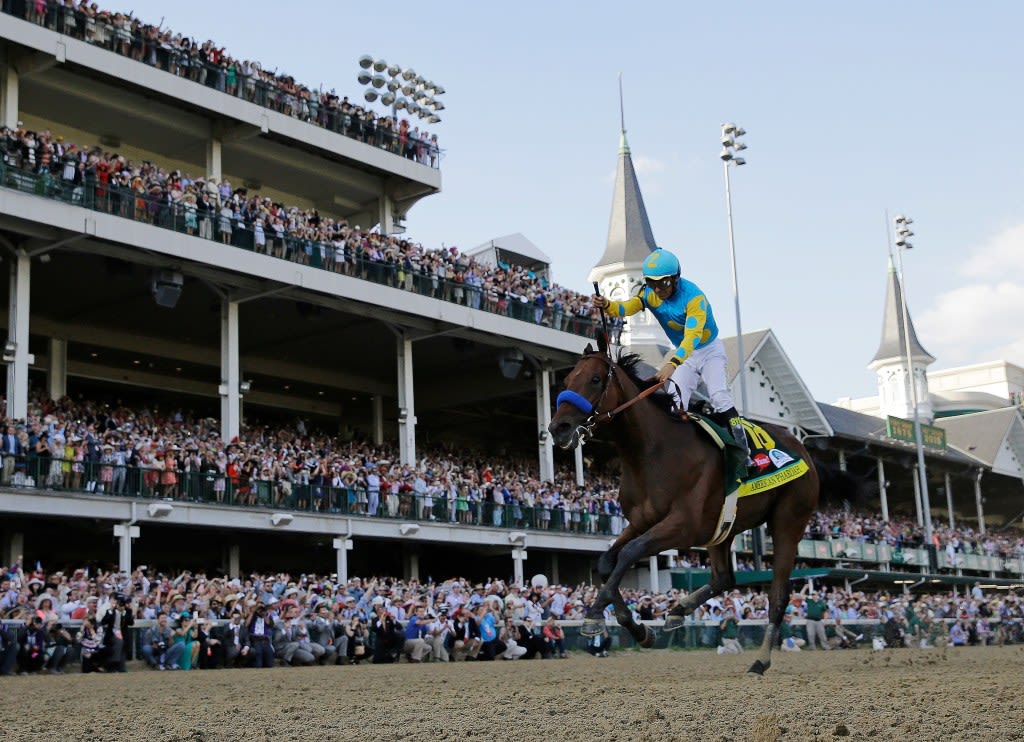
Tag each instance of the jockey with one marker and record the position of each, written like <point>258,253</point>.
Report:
<point>686,316</point>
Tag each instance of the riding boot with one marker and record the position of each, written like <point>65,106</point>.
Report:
<point>730,419</point>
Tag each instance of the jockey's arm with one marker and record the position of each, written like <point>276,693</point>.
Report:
<point>620,308</point>
<point>696,318</point>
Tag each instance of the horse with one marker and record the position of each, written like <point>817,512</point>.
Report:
<point>672,492</point>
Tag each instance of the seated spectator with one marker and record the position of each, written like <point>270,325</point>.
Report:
<point>158,648</point>
<point>555,637</point>
<point>599,644</point>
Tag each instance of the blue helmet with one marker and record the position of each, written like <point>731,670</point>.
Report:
<point>661,264</point>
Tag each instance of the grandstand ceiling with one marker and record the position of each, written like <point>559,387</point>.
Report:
<point>320,362</point>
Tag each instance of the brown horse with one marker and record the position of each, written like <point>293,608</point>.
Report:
<point>672,492</point>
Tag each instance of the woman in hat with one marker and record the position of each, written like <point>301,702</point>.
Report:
<point>191,221</point>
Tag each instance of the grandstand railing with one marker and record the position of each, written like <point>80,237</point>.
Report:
<point>185,219</point>
<point>312,109</point>
<point>214,488</point>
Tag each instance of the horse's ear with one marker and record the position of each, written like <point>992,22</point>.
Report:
<point>602,342</point>
<point>588,350</point>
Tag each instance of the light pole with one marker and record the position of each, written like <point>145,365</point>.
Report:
<point>903,235</point>
<point>401,89</point>
<point>731,144</point>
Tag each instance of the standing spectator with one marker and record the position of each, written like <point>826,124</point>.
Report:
<point>32,646</point>
<point>441,632</point>
<point>234,638</point>
<point>260,630</point>
<point>116,624</point>
<point>814,611</point>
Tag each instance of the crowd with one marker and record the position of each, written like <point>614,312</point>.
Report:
<point>95,447</point>
<point>144,191</point>
<point>211,65</point>
<point>904,532</point>
<point>200,621</point>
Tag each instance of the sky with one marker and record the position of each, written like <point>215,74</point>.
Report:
<point>852,110</point>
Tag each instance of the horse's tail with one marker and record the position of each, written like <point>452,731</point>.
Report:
<point>838,488</point>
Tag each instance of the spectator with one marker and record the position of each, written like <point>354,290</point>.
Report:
<point>729,631</point>
<point>555,637</point>
<point>417,628</point>
<point>598,644</point>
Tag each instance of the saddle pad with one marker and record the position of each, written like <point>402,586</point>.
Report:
<point>773,464</point>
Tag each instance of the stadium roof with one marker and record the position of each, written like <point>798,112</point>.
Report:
<point>516,243</point>
<point>984,435</point>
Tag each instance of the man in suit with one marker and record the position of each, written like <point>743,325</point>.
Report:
<point>11,449</point>
<point>234,640</point>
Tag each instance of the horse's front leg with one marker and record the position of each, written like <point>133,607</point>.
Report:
<point>722,578</point>
<point>606,562</point>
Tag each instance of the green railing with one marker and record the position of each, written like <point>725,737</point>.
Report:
<point>283,95</point>
<point>214,488</point>
<point>229,232</point>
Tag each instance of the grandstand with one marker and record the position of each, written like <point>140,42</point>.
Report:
<point>141,301</point>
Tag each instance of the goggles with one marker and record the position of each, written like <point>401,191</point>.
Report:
<point>660,283</point>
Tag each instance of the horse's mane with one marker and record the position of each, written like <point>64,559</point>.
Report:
<point>628,362</point>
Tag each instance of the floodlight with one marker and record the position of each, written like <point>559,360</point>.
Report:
<point>366,61</point>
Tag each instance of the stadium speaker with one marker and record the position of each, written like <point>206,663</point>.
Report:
<point>510,362</point>
<point>166,287</point>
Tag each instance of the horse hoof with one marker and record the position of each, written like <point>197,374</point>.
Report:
<point>758,668</point>
<point>591,627</point>
<point>673,622</point>
<point>649,638</point>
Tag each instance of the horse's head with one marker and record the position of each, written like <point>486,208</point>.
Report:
<point>589,391</point>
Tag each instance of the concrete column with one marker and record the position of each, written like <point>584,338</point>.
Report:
<point>231,377</point>
<point>842,460</point>
<point>653,566</point>
<point>385,213</point>
<point>979,501</point>
<point>883,494</point>
<point>342,546</point>
<point>125,532</point>
<point>9,95</point>
<point>578,454</point>
<point>545,444</point>
<point>14,547</point>
<point>518,557</point>
<point>412,561</point>
<point>554,569</point>
<point>234,561</point>
<point>949,502</point>
<point>16,353</point>
<point>378,420</point>
<point>57,368</point>
<point>406,404</point>
<point>917,497</point>
<point>213,160</point>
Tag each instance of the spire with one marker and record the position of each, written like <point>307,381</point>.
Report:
<point>893,346</point>
<point>629,232</point>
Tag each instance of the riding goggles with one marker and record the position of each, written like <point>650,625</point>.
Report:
<point>660,283</point>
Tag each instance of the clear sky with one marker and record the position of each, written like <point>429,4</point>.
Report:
<point>850,109</point>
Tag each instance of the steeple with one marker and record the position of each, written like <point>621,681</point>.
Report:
<point>619,271</point>
<point>629,232</point>
<point>893,346</point>
<point>890,364</point>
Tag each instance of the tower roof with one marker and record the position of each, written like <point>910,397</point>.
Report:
<point>893,346</point>
<point>629,232</point>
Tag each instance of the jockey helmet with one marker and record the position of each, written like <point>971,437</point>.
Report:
<point>661,264</point>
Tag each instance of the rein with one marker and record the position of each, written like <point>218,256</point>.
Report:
<point>585,430</point>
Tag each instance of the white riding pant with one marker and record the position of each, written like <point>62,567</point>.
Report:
<point>707,363</point>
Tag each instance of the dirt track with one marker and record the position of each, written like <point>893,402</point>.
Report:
<point>964,694</point>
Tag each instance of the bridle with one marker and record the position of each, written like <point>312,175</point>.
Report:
<point>585,430</point>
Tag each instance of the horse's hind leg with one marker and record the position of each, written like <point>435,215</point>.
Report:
<point>722,578</point>
<point>787,527</point>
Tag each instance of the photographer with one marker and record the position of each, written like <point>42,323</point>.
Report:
<point>31,646</point>
<point>388,639</point>
<point>157,647</point>
<point>58,646</point>
<point>90,641</point>
<point>186,634</point>
<point>261,631</point>
<point>357,639</point>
